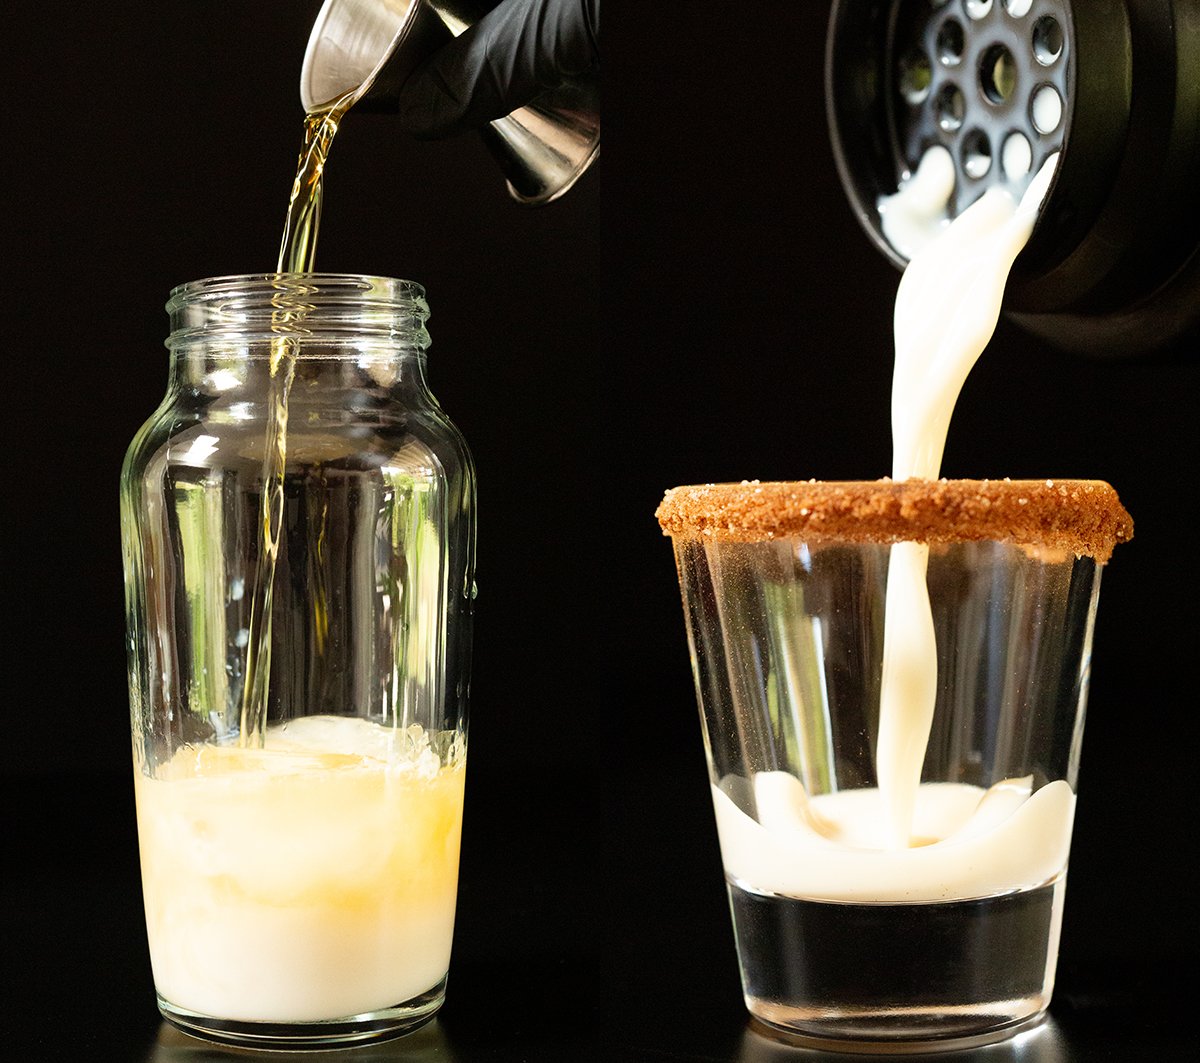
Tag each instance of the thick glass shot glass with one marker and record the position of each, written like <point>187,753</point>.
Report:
<point>846,936</point>
<point>298,524</point>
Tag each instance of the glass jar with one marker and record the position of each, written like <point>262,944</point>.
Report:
<point>298,521</point>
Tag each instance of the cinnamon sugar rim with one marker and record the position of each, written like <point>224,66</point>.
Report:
<point>1084,517</point>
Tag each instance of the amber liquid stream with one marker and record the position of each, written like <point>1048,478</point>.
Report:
<point>297,253</point>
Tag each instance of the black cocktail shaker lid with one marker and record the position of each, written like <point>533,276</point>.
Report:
<point>1113,266</point>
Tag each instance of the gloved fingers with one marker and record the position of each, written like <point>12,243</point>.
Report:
<point>514,53</point>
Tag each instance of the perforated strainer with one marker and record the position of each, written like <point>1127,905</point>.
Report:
<point>986,79</point>
<point>1114,85</point>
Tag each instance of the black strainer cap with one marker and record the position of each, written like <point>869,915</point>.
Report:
<point>1113,265</point>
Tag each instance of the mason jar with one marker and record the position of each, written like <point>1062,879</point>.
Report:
<point>298,522</point>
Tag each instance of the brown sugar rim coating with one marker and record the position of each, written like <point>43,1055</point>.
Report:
<point>1080,516</point>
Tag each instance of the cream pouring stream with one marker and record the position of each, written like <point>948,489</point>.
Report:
<point>947,307</point>
<point>906,841</point>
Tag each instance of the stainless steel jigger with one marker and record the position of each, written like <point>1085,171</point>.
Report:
<point>371,47</point>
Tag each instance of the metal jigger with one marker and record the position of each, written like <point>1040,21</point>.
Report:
<point>370,47</point>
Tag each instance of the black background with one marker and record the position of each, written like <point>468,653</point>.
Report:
<point>701,307</point>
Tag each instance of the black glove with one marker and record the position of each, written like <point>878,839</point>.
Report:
<point>515,52</point>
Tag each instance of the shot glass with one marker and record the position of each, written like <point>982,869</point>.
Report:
<point>895,832</point>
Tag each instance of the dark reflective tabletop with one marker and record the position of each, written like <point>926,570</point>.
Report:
<point>584,934</point>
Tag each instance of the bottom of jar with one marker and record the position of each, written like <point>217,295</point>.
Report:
<point>368,1027</point>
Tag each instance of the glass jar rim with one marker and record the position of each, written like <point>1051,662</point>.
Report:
<point>316,307</point>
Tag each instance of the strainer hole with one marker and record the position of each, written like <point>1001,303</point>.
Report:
<point>1016,157</point>
<point>1047,40</point>
<point>1018,8</point>
<point>950,107</point>
<point>976,154</point>
<point>950,43</point>
<point>978,8</point>
<point>915,74</point>
<point>1046,109</point>
<point>997,74</point>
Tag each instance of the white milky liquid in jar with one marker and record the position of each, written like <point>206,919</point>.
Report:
<point>311,879</point>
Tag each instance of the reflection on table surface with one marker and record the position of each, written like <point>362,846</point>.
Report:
<point>426,1045</point>
<point>1043,1043</point>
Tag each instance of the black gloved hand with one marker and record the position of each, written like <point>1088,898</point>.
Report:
<point>515,52</point>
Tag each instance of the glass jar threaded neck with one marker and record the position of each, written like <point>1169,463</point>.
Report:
<point>325,309</point>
